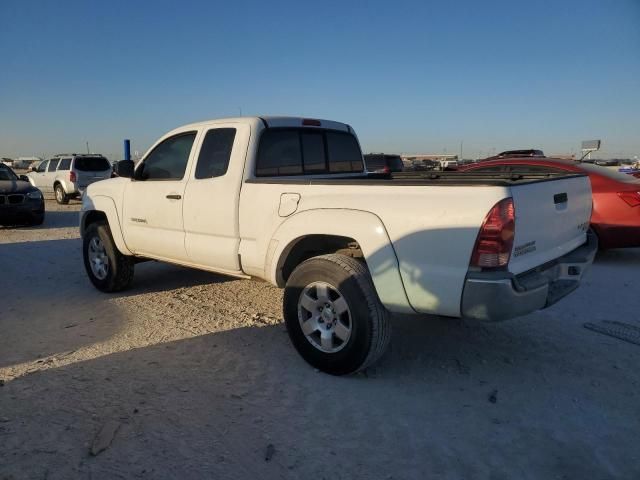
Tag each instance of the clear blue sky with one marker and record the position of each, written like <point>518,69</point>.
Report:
<point>409,76</point>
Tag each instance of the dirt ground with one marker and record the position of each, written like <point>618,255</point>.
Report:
<point>191,375</point>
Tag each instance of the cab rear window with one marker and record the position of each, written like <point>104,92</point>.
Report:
<point>299,151</point>
<point>91,164</point>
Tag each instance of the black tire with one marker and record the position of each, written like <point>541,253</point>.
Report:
<point>37,219</point>
<point>120,269</point>
<point>369,320</point>
<point>61,197</point>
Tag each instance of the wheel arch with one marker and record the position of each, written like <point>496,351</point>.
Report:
<point>355,233</point>
<point>103,208</point>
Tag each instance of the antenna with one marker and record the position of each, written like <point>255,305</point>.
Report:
<point>88,148</point>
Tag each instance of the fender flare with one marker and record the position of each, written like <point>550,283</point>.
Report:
<point>107,206</point>
<point>365,228</point>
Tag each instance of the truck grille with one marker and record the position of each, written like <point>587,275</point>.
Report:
<point>12,199</point>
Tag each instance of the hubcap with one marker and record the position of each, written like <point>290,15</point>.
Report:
<point>98,258</point>
<point>59,193</point>
<point>324,317</point>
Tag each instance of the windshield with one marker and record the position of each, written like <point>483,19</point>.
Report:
<point>609,173</point>
<point>7,174</point>
<point>91,164</point>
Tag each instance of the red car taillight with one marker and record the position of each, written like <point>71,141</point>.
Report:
<point>495,239</point>
<point>632,198</point>
<point>72,177</point>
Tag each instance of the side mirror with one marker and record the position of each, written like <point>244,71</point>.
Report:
<point>24,178</point>
<point>124,168</point>
<point>32,169</point>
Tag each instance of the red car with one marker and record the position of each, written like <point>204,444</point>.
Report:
<point>616,196</point>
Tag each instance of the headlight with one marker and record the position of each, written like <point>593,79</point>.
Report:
<point>37,194</point>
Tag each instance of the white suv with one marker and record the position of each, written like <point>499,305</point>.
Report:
<point>69,175</point>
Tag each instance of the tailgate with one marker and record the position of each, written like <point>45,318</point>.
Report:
<point>552,218</point>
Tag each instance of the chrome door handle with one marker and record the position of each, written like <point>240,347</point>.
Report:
<point>174,197</point>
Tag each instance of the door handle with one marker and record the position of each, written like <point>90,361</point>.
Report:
<point>174,197</point>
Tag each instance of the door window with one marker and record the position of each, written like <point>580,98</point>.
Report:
<point>65,164</point>
<point>215,153</point>
<point>43,166</point>
<point>52,165</point>
<point>168,161</point>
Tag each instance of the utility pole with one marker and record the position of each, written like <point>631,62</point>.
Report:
<point>461,144</point>
<point>88,148</point>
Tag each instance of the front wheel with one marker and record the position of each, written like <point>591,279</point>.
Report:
<point>61,197</point>
<point>107,268</point>
<point>333,315</point>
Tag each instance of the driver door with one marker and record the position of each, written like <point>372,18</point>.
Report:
<point>153,223</point>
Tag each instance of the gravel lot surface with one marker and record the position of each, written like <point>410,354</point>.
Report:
<point>191,375</point>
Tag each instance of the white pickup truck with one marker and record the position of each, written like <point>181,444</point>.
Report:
<point>287,200</point>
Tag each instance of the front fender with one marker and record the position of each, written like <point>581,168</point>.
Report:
<point>364,227</point>
<point>107,206</point>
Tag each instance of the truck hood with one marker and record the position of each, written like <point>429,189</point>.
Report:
<point>111,187</point>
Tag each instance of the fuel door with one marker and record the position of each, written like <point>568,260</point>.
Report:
<point>288,204</point>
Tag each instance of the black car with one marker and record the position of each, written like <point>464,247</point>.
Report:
<point>20,202</point>
<point>383,163</point>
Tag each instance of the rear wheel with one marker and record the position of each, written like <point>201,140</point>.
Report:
<point>333,315</point>
<point>107,268</point>
<point>61,197</point>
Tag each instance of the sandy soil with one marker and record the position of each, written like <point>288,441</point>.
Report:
<point>191,375</point>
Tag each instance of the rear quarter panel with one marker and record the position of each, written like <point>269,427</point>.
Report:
<point>432,230</point>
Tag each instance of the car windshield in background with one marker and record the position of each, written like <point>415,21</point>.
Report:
<point>609,173</point>
<point>91,164</point>
<point>395,163</point>
<point>7,174</point>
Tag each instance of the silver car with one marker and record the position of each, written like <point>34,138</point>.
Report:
<point>69,175</point>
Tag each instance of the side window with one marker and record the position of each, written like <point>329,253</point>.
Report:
<point>279,153</point>
<point>344,153</point>
<point>215,153</point>
<point>65,164</point>
<point>43,166</point>
<point>168,161</point>
<point>52,165</point>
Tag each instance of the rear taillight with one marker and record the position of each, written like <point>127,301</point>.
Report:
<point>495,239</point>
<point>632,198</point>
<point>72,177</point>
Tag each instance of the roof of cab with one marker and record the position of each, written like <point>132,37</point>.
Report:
<point>272,121</point>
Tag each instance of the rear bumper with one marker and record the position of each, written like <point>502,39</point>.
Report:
<point>495,296</point>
